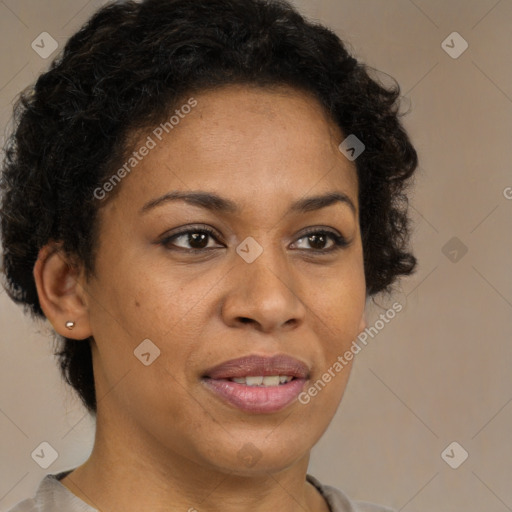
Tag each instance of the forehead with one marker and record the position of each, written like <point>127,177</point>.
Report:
<point>247,142</point>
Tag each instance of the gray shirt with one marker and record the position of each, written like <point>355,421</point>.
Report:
<point>53,496</point>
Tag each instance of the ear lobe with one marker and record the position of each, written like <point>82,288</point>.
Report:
<point>61,294</point>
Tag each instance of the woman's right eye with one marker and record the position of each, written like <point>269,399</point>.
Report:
<point>196,239</point>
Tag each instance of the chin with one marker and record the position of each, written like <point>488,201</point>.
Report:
<point>258,457</point>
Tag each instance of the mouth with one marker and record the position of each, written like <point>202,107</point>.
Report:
<point>263,380</point>
<point>262,399</point>
<point>258,384</point>
<point>279,365</point>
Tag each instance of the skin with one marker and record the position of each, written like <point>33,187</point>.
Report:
<point>162,437</point>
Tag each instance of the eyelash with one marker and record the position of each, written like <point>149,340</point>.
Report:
<point>339,241</point>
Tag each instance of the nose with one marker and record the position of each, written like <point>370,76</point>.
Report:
<point>263,294</point>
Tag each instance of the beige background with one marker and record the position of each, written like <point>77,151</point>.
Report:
<point>441,370</point>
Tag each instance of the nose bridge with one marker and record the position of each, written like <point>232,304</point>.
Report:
<point>268,272</point>
<point>267,262</point>
<point>264,290</point>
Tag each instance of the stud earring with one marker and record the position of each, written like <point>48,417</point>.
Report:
<point>70,325</point>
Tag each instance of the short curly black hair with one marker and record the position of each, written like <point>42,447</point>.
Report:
<point>126,69</point>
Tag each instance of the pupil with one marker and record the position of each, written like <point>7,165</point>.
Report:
<point>313,240</point>
<point>201,238</point>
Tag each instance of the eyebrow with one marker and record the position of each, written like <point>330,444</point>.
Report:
<point>216,203</point>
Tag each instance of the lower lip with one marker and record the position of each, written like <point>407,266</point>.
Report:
<point>259,399</point>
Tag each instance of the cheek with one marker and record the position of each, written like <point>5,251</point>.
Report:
<point>337,318</point>
<point>140,300</point>
<point>140,305</point>
<point>132,308</point>
<point>341,301</point>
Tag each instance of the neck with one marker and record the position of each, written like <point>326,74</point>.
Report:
<point>124,473</point>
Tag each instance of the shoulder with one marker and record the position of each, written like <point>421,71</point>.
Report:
<point>339,502</point>
<point>52,496</point>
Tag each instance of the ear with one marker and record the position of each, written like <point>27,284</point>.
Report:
<point>61,294</point>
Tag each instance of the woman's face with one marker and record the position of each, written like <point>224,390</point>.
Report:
<point>267,282</point>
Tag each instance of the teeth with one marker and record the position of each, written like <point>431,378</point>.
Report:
<point>254,381</point>
<point>269,380</point>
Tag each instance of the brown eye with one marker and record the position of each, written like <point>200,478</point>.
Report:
<point>191,240</point>
<point>317,241</point>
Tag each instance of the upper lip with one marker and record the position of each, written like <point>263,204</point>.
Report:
<point>255,365</point>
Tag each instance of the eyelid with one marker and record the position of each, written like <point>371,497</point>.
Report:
<point>195,228</point>
<point>339,240</point>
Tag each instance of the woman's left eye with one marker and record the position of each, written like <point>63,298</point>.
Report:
<point>198,241</point>
<point>318,240</point>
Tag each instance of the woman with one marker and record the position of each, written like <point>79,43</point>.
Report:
<point>200,197</point>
